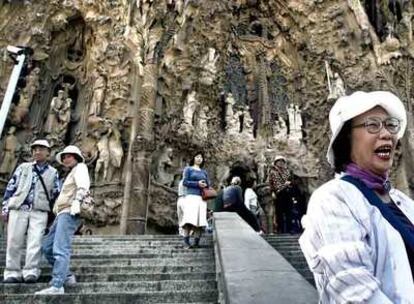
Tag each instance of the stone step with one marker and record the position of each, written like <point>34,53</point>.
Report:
<point>178,297</point>
<point>135,255</point>
<point>106,269</point>
<point>137,276</point>
<point>137,262</point>
<point>118,287</point>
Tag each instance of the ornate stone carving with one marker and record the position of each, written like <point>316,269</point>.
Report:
<point>9,155</point>
<point>164,162</point>
<point>208,64</point>
<point>98,96</point>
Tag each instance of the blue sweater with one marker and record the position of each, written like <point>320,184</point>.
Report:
<point>191,178</point>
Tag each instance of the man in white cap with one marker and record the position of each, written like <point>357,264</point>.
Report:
<point>27,200</point>
<point>57,244</point>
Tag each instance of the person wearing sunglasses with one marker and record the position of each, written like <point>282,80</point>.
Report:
<point>359,233</point>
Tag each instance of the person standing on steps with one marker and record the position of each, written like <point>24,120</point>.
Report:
<point>359,230</point>
<point>57,244</point>
<point>194,216</point>
<point>25,209</point>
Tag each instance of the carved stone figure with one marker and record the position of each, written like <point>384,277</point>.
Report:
<point>202,128</point>
<point>32,84</point>
<point>338,88</point>
<point>64,117</point>
<point>163,176</point>
<point>20,112</point>
<point>56,105</point>
<point>261,168</point>
<point>298,119</point>
<point>208,64</point>
<point>280,129</point>
<point>98,95</point>
<point>115,150</point>
<point>103,158</point>
<point>190,107</point>
<point>248,124</point>
<point>291,116</point>
<point>382,55</point>
<point>10,149</point>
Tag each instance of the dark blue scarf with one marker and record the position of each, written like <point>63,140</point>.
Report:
<point>374,200</point>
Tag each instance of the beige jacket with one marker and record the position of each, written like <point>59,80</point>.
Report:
<point>75,186</point>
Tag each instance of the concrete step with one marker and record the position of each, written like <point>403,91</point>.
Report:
<point>178,296</point>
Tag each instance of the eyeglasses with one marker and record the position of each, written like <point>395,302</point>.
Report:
<point>375,124</point>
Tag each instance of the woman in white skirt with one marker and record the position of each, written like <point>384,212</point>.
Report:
<point>194,209</point>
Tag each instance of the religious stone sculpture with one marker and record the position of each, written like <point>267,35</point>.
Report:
<point>32,84</point>
<point>52,121</point>
<point>163,176</point>
<point>103,157</point>
<point>98,96</point>
<point>336,85</point>
<point>10,149</point>
<point>189,108</point>
<point>115,150</point>
<point>248,124</point>
<point>280,129</point>
<point>64,117</point>
<point>209,67</point>
<point>202,128</point>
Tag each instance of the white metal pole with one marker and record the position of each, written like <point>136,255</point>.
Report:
<point>5,106</point>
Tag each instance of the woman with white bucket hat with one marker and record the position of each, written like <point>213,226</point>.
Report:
<point>57,244</point>
<point>359,232</point>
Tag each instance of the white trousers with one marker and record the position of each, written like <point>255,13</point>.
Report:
<point>32,223</point>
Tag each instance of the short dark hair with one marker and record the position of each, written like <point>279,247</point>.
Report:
<point>76,156</point>
<point>341,148</point>
<point>194,155</point>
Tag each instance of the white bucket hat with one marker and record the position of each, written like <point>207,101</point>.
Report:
<point>41,143</point>
<point>279,157</point>
<point>70,150</point>
<point>348,107</point>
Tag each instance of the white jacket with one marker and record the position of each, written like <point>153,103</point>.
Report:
<point>356,256</point>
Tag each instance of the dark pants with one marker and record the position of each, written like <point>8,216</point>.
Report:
<point>245,214</point>
<point>288,211</point>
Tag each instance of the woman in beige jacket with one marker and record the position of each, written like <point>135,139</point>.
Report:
<point>57,244</point>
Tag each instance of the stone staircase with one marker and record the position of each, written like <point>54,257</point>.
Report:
<point>127,269</point>
<point>287,245</point>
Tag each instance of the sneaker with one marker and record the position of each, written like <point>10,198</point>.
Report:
<point>69,282</point>
<point>12,280</point>
<point>30,279</point>
<point>51,291</point>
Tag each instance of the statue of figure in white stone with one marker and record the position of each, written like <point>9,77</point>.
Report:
<point>163,176</point>
<point>230,102</point>
<point>202,128</point>
<point>298,119</point>
<point>32,84</point>
<point>208,63</point>
<point>98,95</point>
<point>248,123</point>
<point>9,159</point>
<point>261,168</point>
<point>115,150</point>
<point>52,121</point>
<point>338,87</point>
<point>104,156</point>
<point>189,108</point>
<point>291,116</point>
<point>280,129</point>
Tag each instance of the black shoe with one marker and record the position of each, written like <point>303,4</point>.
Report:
<point>12,280</point>
<point>30,279</point>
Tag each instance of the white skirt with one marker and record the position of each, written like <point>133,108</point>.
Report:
<point>191,209</point>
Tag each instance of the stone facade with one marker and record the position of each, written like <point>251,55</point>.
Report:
<point>136,83</point>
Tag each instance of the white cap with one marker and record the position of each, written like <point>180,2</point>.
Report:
<point>348,107</point>
<point>70,150</point>
<point>40,142</point>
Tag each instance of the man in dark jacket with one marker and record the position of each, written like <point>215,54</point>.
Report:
<point>233,202</point>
